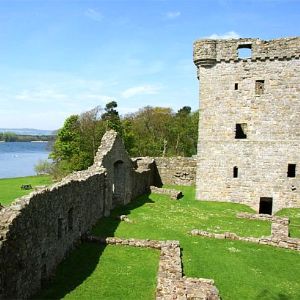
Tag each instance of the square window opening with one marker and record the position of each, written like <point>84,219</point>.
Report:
<point>240,131</point>
<point>259,87</point>
<point>236,86</point>
<point>244,51</point>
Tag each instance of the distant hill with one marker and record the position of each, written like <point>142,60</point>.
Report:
<point>28,131</point>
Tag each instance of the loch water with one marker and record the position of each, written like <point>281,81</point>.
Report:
<point>17,159</point>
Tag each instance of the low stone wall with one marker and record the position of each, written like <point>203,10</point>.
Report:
<point>176,170</point>
<point>287,243</point>
<point>174,194</point>
<point>279,226</point>
<point>170,282</point>
<point>263,217</point>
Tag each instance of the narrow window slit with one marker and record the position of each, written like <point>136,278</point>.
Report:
<point>235,172</point>
<point>291,170</point>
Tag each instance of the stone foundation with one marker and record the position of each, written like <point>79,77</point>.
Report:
<point>171,285</point>
<point>287,243</point>
<point>279,232</point>
<point>174,194</point>
<point>279,226</point>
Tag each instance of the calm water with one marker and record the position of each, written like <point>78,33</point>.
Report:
<point>18,159</point>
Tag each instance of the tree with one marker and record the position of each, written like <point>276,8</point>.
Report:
<point>66,149</point>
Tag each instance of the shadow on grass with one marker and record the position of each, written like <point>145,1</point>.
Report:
<point>82,261</point>
<point>267,295</point>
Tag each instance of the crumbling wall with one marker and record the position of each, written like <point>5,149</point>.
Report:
<point>176,170</point>
<point>38,230</point>
<point>259,94</point>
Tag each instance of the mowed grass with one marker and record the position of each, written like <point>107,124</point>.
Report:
<point>241,270</point>
<point>10,188</point>
<point>95,271</point>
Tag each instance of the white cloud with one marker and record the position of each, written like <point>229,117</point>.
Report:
<point>173,14</point>
<point>226,35</point>
<point>140,90</point>
<point>93,14</point>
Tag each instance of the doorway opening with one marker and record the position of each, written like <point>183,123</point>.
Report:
<point>265,205</point>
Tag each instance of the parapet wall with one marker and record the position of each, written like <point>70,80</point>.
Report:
<point>38,230</point>
<point>208,52</point>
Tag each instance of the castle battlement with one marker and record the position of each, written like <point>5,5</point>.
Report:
<point>208,52</point>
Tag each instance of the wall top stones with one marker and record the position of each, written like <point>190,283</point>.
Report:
<point>207,52</point>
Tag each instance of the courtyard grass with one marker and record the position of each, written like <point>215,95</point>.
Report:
<point>105,272</point>
<point>241,270</point>
<point>10,188</point>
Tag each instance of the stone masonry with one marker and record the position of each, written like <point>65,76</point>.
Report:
<point>171,284</point>
<point>279,232</point>
<point>176,170</point>
<point>38,230</point>
<point>249,126</point>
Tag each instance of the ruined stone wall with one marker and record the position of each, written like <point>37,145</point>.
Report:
<point>176,170</point>
<point>38,230</point>
<point>261,94</point>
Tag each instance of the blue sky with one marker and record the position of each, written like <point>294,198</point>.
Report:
<point>63,57</point>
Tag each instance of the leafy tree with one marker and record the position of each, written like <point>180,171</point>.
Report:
<point>67,147</point>
<point>112,118</point>
<point>151,131</point>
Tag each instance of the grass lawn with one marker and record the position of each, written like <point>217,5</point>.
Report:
<point>10,188</point>
<point>241,270</point>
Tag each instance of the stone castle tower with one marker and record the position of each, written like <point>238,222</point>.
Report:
<point>249,127</point>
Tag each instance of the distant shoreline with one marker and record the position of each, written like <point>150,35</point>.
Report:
<point>26,138</point>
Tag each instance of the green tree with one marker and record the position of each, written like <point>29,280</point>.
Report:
<point>111,117</point>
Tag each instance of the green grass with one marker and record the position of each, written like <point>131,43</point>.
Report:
<point>294,215</point>
<point>241,270</point>
<point>10,188</point>
<point>97,272</point>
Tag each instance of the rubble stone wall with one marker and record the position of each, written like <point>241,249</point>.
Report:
<point>38,230</point>
<point>260,96</point>
<point>176,170</point>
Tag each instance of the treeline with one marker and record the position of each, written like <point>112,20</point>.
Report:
<point>151,131</point>
<point>13,137</point>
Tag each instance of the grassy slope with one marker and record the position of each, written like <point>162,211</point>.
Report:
<point>10,188</point>
<point>241,270</point>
